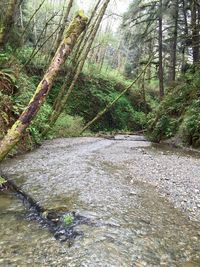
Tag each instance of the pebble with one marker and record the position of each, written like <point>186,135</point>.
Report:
<point>132,193</point>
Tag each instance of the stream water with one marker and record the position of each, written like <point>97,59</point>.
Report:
<point>135,222</point>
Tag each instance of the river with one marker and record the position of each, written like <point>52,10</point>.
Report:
<point>143,199</point>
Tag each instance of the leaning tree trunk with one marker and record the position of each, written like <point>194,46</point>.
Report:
<point>75,57</point>
<point>8,21</point>
<point>64,98</point>
<point>160,21</point>
<point>86,37</point>
<point>64,49</point>
<point>111,104</point>
<point>64,22</point>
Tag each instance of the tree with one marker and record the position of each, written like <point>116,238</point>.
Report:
<point>195,24</point>
<point>173,44</point>
<point>7,23</point>
<point>64,22</point>
<point>62,98</point>
<point>160,49</point>
<point>42,90</point>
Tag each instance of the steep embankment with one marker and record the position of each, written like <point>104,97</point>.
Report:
<point>178,115</point>
<point>92,93</point>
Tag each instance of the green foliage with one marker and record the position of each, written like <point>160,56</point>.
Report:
<point>32,58</point>
<point>166,127</point>
<point>68,219</point>
<point>93,93</point>
<point>40,123</point>
<point>2,181</point>
<point>178,113</point>
<point>12,103</point>
<point>190,127</point>
<point>8,87</point>
<point>106,73</point>
<point>24,54</point>
<point>66,126</point>
<point>5,56</point>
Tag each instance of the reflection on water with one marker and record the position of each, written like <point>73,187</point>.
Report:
<point>135,226</point>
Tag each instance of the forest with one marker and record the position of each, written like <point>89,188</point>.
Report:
<point>77,72</point>
<point>163,100</point>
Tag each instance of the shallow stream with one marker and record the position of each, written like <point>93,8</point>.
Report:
<point>136,195</point>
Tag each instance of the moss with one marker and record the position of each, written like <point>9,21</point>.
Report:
<point>81,14</point>
<point>2,180</point>
<point>68,219</point>
<point>75,26</point>
<point>2,28</point>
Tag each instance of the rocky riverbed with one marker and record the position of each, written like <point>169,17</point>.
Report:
<point>143,201</point>
<point>175,173</point>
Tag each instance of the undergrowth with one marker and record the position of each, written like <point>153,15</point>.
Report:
<point>178,114</point>
<point>92,93</point>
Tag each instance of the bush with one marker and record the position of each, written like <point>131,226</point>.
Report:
<point>190,127</point>
<point>178,113</point>
<point>66,126</point>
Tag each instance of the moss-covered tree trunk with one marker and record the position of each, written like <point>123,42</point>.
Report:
<point>76,54</point>
<point>64,49</point>
<point>63,98</point>
<point>64,22</point>
<point>7,22</point>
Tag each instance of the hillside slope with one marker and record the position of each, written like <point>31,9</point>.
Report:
<point>179,113</point>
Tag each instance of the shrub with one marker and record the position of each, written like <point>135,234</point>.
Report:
<point>66,126</point>
<point>178,113</point>
<point>190,127</point>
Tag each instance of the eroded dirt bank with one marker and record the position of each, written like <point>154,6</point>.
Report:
<point>141,198</point>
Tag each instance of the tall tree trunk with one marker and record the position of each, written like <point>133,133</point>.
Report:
<point>195,33</point>
<point>8,22</point>
<point>35,27</point>
<point>76,54</point>
<point>63,99</point>
<point>67,44</point>
<point>64,23</point>
<point>144,93</point>
<point>186,32</point>
<point>173,50</point>
<point>102,57</point>
<point>86,37</point>
<point>150,52</point>
<point>21,17</point>
<point>160,21</point>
